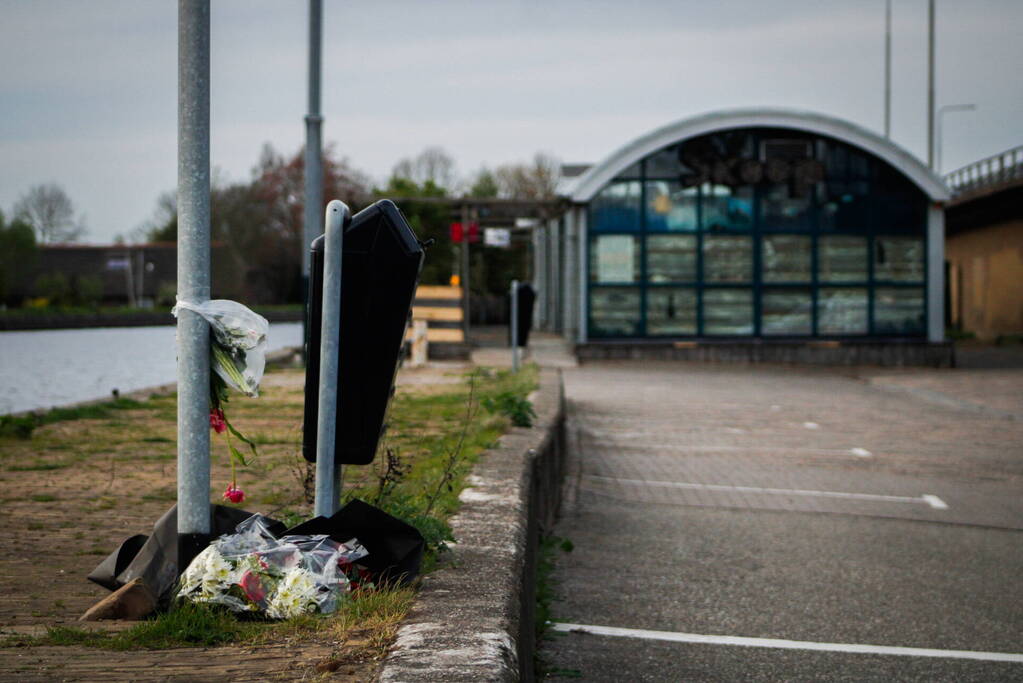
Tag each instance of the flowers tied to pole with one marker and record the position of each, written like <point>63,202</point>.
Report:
<point>237,359</point>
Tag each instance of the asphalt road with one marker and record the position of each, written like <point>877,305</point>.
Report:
<point>791,505</point>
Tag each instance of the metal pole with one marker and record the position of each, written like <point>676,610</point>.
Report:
<point>328,481</point>
<point>193,277</point>
<point>515,324</point>
<point>888,69</point>
<point>313,156</point>
<point>464,281</point>
<point>930,84</point>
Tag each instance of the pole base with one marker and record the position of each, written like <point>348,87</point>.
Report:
<point>190,545</point>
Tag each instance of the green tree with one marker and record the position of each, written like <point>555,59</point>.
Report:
<point>484,185</point>
<point>429,220</point>
<point>18,254</point>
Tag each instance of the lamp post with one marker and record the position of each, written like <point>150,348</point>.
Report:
<point>944,109</point>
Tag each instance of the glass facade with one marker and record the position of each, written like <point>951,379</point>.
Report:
<point>757,233</point>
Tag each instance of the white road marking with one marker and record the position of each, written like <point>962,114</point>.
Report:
<point>927,499</point>
<point>861,452</point>
<point>788,644</point>
<point>626,440</point>
<point>811,425</point>
<point>935,502</point>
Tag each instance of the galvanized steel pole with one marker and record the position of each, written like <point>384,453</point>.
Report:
<point>930,85</point>
<point>193,277</point>
<point>313,155</point>
<point>329,479</point>
<point>888,69</point>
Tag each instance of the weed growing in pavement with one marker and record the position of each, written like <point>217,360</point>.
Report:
<point>516,408</point>
<point>546,594</point>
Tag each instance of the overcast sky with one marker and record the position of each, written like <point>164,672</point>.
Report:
<point>88,89</point>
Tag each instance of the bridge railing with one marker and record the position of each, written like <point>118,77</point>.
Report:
<point>994,170</point>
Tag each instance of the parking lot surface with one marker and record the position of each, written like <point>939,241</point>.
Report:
<point>773,523</point>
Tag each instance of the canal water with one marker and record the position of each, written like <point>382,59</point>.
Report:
<point>42,369</point>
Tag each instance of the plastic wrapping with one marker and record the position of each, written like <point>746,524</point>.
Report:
<point>253,571</point>
<point>239,348</point>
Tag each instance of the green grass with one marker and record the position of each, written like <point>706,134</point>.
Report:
<point>440,434</point>
<point>21,427</point>
<point>38,466</point>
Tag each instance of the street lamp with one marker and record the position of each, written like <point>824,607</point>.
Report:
<point>941,113</point>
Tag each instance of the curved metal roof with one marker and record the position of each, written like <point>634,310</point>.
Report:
<point>591,182</point>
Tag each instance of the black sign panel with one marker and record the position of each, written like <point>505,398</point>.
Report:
<point>379,272</point>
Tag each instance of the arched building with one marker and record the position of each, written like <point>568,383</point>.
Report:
<point>768,225</point>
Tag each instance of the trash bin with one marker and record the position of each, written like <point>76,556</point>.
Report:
<point>380,269</point>
<point>526,296</point>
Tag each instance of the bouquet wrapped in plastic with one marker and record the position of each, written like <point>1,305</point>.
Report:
<point>252,571</point>
<point>239,342</point>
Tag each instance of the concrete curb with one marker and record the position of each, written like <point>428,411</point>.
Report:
<point>473,619</point>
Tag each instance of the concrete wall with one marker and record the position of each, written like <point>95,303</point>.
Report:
<point>986,279</point>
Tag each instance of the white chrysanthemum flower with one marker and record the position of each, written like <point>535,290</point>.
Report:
<point>195,575</point>
<point>295,595</point>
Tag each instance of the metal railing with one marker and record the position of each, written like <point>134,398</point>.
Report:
<point>994,170</point>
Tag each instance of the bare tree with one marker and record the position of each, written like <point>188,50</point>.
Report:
<point>536,180</point>
<point>49,211</point>
<point>433,165</point>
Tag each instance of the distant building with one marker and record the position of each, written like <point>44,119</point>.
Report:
<point>766,225</point>
<point>135,274</point>
<point>985,246</point>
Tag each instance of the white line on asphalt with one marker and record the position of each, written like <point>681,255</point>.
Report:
<point>927,499</point>
<point>788,644</point>
<point>608,440</point>
<point>935,502</point>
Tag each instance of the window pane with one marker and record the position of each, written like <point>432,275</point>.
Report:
<point>842,311</point>
<point>665,164</point>
<point>898,311</point>
<point>841,258</point>
<point>629,173</point>
<point>845,205</point>
<point>727,258</point>
<point>614,311</point>
<point>786,258</point>
<point>899,259</point>
<point>726,207</point>
<point>670,310</point>
<point>899,205</point>
<point>728,311</point>
<point>671,258</point>
<point>670,207</point>
<point>614,258</point>
<point>616,208</point>
<point>786,312</point>
<point>782,208</point>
